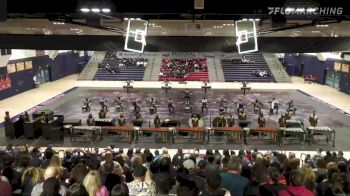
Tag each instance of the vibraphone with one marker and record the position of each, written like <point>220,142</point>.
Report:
<point>271,132</point>
<point>92,132</point>
<point>123,130</point>
<point>295,132</point>
<point>198,132</point>
<point>328,132</point>
<point>104,122</point>
<point>294,123</point>
<point>235,132</point>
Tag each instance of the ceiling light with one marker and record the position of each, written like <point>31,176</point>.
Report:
<point>95,10</point>
<point>138,18</point>
<point>335,35</point>
<point>85,10</point>
<point>245,19</point>
<point>257,19</point>
<point>311,9</point>
<point>132,18</point>
<point>126,18</point>
<point>251,19</point>
<point>106,10</point>
<point>300,9</point>
<point>224,24</point>
<point>160,26</point>
<point>289,9</point>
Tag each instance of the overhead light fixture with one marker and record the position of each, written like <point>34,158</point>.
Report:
<point>85,10</point>
<point>244,19</point>
<point>95,10</point>
<point>300,9</point>
<point>251,19</point>
<point>138,18</point>
<point>224,24</point>
<point>106,10</point>
<point>289,9</point>
<point>257,19</point>
<point>126,18</point>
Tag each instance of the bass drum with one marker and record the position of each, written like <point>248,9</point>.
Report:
<point>215,121</point>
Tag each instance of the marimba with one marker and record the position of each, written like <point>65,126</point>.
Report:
<point>244,89</point>
<point>123,130</point>
<point>271,132</point>
<point>234,132</point>
<point>164,132</point>
<point>294,123</point>
<point>92,132</point>
<point>328,132</point>
<point>198,132</point>
<point>295,132</point>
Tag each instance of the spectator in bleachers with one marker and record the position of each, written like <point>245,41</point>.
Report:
<point>231,178</point>
<point>120,190</point>
<point>50,172</point>
<point>93,184</point>
<point>296,186</point>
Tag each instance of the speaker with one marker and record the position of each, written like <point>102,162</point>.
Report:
<point>3,10</point>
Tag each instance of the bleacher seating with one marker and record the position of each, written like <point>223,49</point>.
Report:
<point>184,69</point>
<point>114,68</point>
<point>236,70</point>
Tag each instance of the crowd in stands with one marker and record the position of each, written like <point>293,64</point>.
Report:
<point>112,63</point>
<point>179,68</point>
<point>28,171</point>
<point>262,73</point>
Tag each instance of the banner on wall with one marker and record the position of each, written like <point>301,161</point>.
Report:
<point>20,66</point>
<point>28,64</point>
<point>11,68</point>
<point>337,66</point>
<point>345,68</point>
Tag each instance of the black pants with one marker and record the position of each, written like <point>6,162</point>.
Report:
<point>171,109</point>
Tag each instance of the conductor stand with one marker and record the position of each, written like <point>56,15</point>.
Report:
<point>244,87</point>
<point>128,86</point>
<point>205,86</point>
<point>166,86</point>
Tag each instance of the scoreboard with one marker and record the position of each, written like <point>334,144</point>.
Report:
<point>246,36</point>
<point>135,39</point>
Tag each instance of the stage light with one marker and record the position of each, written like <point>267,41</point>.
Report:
<point>126,18</point>
<point>106,10</point>
<point>85,10</point>
<point>95,10</point>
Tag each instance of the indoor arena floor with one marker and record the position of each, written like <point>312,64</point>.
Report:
<point>70,104</point>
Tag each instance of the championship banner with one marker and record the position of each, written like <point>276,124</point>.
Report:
<point>11,68</point>
<point>136,33</point>
<point>20,66</point>
<point>28,64</point>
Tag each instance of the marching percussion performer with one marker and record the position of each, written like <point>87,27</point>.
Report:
<point>261,120</point>
<point>222,106</point>
<point>230,121</point>
<point>288,115</point>
<point>221,121</point>
<point>205,86</point>
<point>282,121</point>
<point>166,85</point>
<point>102,114</point>
<point>103,104</point>
<point>171,106</point>
<point>86,105</point>
<point>90,121</point>
<point>187,94</point>
<point>153,106</point>
<point>257,106</point>
<point>137,108</point>
<point>156,121</point>
<point>274,105</point>
<point>195,120</point>
<point>240,106</point>
<point>291,107</point>
<point>313,119</point>
<point>188,107</point>
<point>128,86</point>
<point>204,104</point>
<point>121,120</point>
<point>119,104</point>
<point>242,116</point>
